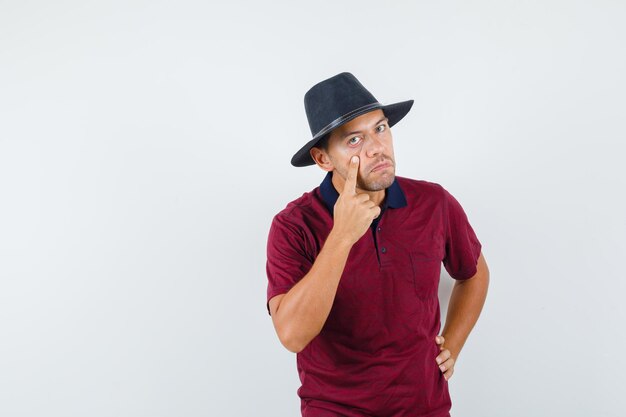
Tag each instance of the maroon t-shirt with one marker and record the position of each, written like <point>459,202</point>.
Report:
<point>375,355</point>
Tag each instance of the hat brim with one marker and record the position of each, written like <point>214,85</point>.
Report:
<point>394,112</point>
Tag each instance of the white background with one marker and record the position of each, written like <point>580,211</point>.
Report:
<point>145,147</point>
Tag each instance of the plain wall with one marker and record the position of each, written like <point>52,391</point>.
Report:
<point>145,147</point>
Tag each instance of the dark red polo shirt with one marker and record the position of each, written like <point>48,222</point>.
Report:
<point>375,355</point>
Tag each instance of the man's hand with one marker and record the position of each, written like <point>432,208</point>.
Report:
<point>353,212</point>
<point>444,359</point>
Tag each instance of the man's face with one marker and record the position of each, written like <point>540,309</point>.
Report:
<point>369,137</point>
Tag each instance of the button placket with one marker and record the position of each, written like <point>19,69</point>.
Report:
<point>383,249</point>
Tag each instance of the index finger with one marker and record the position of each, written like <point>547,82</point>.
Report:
<point>353,170</point>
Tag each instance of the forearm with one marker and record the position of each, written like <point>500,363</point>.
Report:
<point>466,303</point>
<point>305,307</point>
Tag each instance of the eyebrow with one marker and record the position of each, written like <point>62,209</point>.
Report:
<point>357,131</point>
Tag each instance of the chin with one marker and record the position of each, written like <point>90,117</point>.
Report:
<point>380,183</point>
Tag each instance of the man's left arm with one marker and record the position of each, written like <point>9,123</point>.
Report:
<point>466,302</point>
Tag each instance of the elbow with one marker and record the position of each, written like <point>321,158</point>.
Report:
<point>293,348</point>
<point>291,343</point>
<point>293,335</point>
<point>292,340</point>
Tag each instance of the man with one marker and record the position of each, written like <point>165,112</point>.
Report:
<point>353,268</point>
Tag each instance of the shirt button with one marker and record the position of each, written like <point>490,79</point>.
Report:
<point>384,249</point>
<point>379,229</point>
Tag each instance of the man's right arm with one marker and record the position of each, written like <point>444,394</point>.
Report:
<point>300,314</point>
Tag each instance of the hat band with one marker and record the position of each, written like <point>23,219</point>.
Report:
<point>340,119</point>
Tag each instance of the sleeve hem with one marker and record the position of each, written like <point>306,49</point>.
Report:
<point>466,275</point>
<point>469,273</point>
<point>274,293</point>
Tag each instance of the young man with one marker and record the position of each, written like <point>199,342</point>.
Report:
<point>353,268</point>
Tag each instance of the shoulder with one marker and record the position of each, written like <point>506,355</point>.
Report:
<point>300,204</point>
<point>297,211</point>
<point>431,192</point>
<point>299,223</point>
<point>422,188</point>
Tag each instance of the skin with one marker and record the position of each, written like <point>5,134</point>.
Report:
<point>299,315</point>
<point>369,137</point>
<point>373,145</point>
<point>466,303</point>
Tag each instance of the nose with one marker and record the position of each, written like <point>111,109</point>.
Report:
<point>373,146</point>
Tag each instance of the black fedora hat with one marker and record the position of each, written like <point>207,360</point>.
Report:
<point>335,101</point>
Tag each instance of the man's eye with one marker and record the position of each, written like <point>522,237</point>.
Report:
<point>383,128</point>
<point>350,140</point>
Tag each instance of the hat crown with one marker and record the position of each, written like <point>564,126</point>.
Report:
<point>333,98</point>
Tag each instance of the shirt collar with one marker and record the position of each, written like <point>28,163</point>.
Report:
<point>394,196</point>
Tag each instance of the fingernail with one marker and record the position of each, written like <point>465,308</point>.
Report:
<point>443,368</point>
<point>355,158</point>
<point>438,361</point>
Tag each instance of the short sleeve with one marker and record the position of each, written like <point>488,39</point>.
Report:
<point>287,259</point>
<point>462,246</point>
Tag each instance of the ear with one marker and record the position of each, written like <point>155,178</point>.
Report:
<point>321,158</point>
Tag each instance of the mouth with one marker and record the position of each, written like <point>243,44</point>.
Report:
<point>381,166</point>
